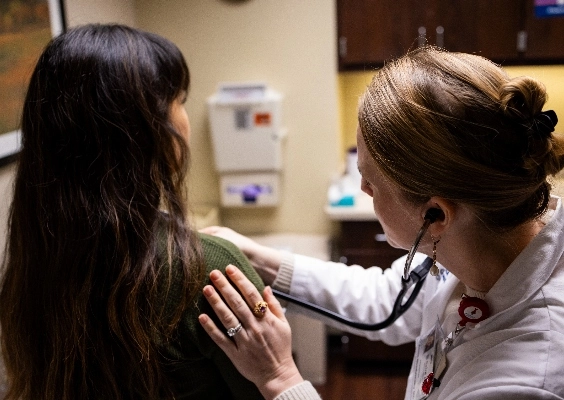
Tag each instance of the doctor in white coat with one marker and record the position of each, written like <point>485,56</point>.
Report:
<point>452,133</point>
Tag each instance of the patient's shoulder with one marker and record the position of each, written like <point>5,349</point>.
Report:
<point>218,253</point>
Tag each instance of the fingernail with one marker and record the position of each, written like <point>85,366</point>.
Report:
<point>208,291</point>
<point>230,269</point>
<point>215,275</point>
<point>268,290</point>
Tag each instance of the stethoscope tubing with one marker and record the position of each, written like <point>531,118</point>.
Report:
<point>416,277</point>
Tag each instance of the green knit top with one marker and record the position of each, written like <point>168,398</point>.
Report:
<point>196,366</point>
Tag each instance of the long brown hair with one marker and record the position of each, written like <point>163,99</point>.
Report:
<point>455,125</point>
<point>80,310</point>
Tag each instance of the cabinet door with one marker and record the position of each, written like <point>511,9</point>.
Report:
<point>364,243</point>
<point>373,31</point>
<point>484,27</point>
<point>545,37</point>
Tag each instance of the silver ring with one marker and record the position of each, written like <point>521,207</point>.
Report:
<point>233,331</point>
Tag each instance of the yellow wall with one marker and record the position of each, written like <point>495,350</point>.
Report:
<point>352,84</point>
<point>351,87</point>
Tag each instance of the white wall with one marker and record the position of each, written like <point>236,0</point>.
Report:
<point>287,44</point>
<point>6,180</point>
<point>80,12</point>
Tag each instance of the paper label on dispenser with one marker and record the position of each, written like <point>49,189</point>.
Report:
<point>263,119</point>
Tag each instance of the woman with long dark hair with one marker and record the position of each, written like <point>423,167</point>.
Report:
<point>102,274</point>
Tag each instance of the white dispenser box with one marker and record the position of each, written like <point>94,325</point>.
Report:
<point>245,121</point>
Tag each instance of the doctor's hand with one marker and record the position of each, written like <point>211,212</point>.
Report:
<point>258,339</point>
<point>265,260</point>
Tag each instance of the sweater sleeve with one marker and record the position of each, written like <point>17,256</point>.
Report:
<point>207,365</point>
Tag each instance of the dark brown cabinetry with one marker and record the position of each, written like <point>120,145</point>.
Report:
<point>506,31</point>
<point>485,27</point>
<point>364,243</point>
<point>543,37</point>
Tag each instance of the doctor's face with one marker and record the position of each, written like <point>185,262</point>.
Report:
<point>399,218</point>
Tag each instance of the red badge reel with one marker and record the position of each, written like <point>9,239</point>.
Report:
<point>472,309</point>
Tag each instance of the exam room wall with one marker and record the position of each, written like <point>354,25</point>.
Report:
<point>287,44</point>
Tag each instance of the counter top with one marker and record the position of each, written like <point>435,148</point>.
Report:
<point>362,210</point>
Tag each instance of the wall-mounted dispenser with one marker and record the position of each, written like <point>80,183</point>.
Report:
<point>247,143</point>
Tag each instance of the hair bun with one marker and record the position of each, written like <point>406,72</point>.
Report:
<point>544,123</point>
<point>522,98</point>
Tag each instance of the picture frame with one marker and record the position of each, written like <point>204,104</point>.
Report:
<point>26,26</point>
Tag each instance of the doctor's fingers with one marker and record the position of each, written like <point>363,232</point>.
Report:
<point>225,233</point>
<point>211,230</point>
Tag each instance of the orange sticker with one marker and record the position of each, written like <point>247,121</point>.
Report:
<point>262,119</point>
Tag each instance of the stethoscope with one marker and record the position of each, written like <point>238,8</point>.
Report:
<point>416,277</point>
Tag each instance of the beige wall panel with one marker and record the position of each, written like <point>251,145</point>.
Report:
<point>6,192</point>
<point>290,46</point>
<point>79,12</point>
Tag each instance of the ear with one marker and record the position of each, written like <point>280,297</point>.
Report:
<point>447,216</point>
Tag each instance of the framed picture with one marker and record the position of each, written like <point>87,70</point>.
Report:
<point>26,26</point>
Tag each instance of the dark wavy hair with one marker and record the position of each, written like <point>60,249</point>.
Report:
<point>81,315</point>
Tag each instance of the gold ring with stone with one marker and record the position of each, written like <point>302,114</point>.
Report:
<point>260,309</point>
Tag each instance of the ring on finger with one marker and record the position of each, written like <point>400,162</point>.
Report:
<point>260,309</point>
<point>233,331</point>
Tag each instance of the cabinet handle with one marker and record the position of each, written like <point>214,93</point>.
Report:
<point>522,41</point>
<point>380,237</point>
<point>421,36</point>
<point>342,46</point>
<point>440,36</point>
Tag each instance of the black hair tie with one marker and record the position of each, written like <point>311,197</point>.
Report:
<point>544,123</point>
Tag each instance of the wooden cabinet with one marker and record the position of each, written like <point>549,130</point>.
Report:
<point>364,243</point>
<point>485,27</point>
<point>371,31</point>
<point>543,38</point>
<point>506,31</point>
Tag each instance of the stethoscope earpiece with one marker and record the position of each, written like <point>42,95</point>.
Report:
<point>433,214</point>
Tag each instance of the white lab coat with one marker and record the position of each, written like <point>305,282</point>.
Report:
<point>517,353</point>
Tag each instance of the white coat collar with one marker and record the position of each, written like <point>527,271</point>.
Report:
<point>532,267</point>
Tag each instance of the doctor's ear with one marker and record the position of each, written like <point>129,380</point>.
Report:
<point>440,213</point>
